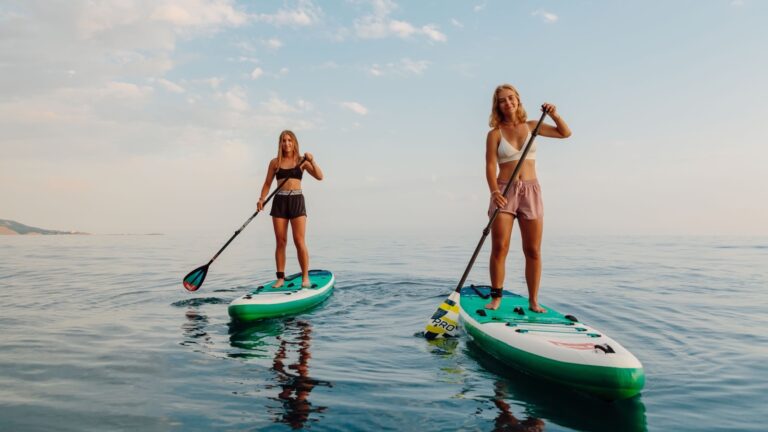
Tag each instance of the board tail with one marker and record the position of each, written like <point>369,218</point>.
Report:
<point>445,321</point>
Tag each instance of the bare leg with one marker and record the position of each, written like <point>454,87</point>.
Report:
<point>281,240</point>
<point>531,232</point>
<point>501,231</point>
<point>298,228</point>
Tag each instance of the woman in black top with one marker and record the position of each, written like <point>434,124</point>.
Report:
<point>288,204</point>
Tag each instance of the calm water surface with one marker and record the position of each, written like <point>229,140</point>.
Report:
<point>98,334</point>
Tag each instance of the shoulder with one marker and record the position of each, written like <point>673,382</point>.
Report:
<point>531,125</point>
<point>273,163</point>
<point>493,138</point>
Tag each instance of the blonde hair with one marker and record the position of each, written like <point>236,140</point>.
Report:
<point>296,151</point>
<point>497,116</point>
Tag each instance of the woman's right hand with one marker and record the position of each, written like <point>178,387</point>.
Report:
<point>260,204</point>
<point>499,199</point>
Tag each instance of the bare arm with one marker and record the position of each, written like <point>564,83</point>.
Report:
<point>560,130</point>
<point>312,167</point>
<point>267,183</point>
<point>491,162</point>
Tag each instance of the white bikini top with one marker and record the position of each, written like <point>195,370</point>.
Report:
<point>507,153</point>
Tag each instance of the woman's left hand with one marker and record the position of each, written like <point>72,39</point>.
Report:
<point>549,109</point>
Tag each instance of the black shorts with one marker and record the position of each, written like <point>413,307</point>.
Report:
<point>288,206</point>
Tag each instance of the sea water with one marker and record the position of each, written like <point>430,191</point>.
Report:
<point>98,334</point>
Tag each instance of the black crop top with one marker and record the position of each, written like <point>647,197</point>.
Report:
<point>294,172</point>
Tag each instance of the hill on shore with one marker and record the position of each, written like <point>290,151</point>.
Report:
<point>9,227</point>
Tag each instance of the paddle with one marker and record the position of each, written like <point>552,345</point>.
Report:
<point>445,321</point>
<point>195,278</point>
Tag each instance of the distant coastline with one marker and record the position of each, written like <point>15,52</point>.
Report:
<point>9,227</point>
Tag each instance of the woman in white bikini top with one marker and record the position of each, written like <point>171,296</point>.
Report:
<point>505,144</point>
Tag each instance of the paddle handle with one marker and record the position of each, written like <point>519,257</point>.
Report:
<point>487,228</point>
<point>280,185</point>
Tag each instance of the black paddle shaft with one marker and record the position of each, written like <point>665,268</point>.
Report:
<point>496,212</point>
<point>250,218</point>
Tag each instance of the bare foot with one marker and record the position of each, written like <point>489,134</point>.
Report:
<point>305,283</point>
<point>279,283</point>
<point>536,308</point>
<point>494,304</point>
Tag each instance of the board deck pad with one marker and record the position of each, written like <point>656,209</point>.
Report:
<point>513,309</point>
<point>317,278</point>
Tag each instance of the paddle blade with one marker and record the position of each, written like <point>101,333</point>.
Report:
<point>445,321</point>
<point>195,278</point>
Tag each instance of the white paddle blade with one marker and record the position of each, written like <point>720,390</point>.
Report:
<point>445,321</point>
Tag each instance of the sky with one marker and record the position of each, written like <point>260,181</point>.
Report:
<point>160,116</point>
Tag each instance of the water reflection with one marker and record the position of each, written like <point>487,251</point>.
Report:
<point>558,404</point>
<point>195,329</point>
<point>288,344</point>
<point>451,371</point>
<point>506,421</point>
<point>295,382</point>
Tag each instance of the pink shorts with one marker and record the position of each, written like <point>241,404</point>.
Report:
<point>523,199</point>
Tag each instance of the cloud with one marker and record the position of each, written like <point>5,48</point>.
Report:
<point>548,17</point>
<point>258,73</point>
<point>401,29</point>
<point>82,44</point>
<point>404,67</point>
<point>379,25</point>
<point>236,99</point>
<point>383,7</point>
<point>355,107</point>
<point>112,18</point>
<point>170,86</point>
<point>306,14</point>
<point>375,70</point>
<point>214,82</point>
<point>273,43</point>
<point>377,28</point>
<point>457,23</point>
<point>198,13</point>
<point>275,105</point>
<point>414,67</point>
<point>123,90</point>
<point>433,33</point>
<point>479,7</point>
<point>246,59</point>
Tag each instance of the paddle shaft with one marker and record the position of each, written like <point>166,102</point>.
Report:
<point>496,212</point>
<point>280,185</point>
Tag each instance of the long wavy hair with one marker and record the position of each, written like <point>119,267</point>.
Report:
<point>497,116</point>
<point>296,151</point>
